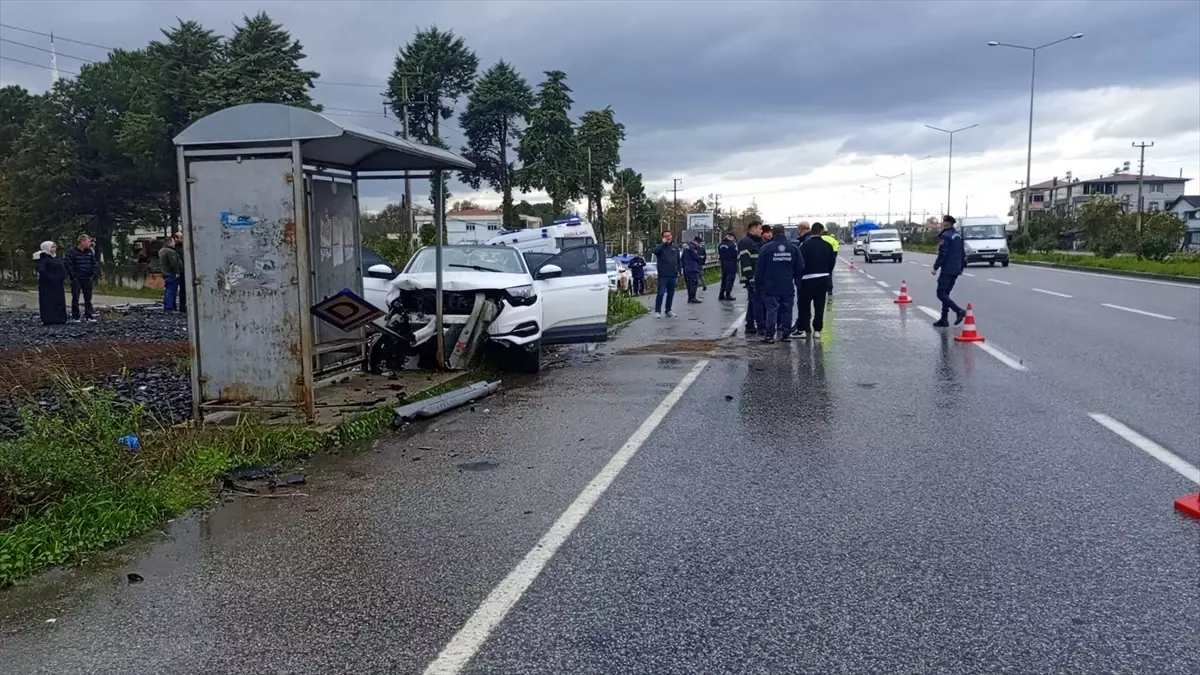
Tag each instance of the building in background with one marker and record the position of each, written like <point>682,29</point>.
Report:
<point>1068,193</point>
<point>1187,207</point>
<point>474,226</point>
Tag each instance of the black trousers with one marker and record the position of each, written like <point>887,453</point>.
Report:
<point>81,287</point>
<point>182,294</point>
<point>945,284</point>
<point>692,281</point>
<point>812,304</point>
<point>639,285</point>
<point>728,276</point>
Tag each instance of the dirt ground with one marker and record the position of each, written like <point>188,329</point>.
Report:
<point>34,367</point>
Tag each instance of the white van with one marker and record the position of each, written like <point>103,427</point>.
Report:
<point>563,234</point>
<point>984,240</point>
<point>881,244</point>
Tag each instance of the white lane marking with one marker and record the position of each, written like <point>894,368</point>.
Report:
<point>1138,311</point>
<point>989,349</point>
<point>913,262</point>
<point>882,283</point>
<point>471,637</point>
<point>740,321</point>
<point>1149,447</point>
<point>1054,293</point>
<point>926,265</point>
<point>1113,276</point>
<point>997,281</point>
<point>968,274</point>
<point>869,276</point>
<point>895,292</point>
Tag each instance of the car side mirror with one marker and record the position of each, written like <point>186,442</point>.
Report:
<point>549,272</point>
<point>381,271</point>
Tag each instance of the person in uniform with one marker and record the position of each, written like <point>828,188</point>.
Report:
<point>833,242</point>
<point>637,269</point>
<point>727,254</point>
<point>693,267</point>
<point>780,268</point>
<point>748,264</point>
<point>948,266</point>
<point>819,259</point>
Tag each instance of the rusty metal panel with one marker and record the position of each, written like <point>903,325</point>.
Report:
<point>246,300</point>
<point>333,228</point>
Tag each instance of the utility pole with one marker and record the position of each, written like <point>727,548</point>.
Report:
<point>911,164</point>
<point>716,214</point>
<point>889,198</point>
<point>967,206</point>
<point>404,101</point>
<point>950,157</point>
<point>674,201</point>
<point>1141,174</point>
<point>628,220</point>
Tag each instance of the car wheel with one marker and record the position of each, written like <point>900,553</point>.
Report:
<point>526,358</point>
<point>1004,264</point>
<point>992,263</point>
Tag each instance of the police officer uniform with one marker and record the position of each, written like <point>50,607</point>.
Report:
<point>727,253</point>
<point>951,259</point>
<point>780,267</point>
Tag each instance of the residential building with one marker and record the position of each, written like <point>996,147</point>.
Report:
<point>1067,194</point>
<point>1187,207</point>
<point>475,226</point>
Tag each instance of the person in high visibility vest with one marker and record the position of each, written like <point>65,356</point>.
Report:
<point>748,266</point>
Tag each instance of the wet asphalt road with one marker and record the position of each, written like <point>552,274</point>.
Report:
<point>886,502</point>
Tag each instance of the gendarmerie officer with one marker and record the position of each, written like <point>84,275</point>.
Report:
<point>951,259</point>
<point>780,268</point>
<point>727,253</point>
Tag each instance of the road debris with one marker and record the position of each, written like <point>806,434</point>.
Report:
<point>439,404</point>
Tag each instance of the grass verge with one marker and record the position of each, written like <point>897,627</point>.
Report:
<point>623,308</point>
<point>1179,265</point>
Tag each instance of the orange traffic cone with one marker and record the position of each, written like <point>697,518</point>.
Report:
<point>1189,505</point>
<point>969,334</point>
<point>903,299</point>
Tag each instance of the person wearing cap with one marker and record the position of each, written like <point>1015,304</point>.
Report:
<point>748,264</point>
<point>819,259</point>
<point>948,266</point>
<point>693,267</point>
<point>780,268</point>
<point>727,254</point>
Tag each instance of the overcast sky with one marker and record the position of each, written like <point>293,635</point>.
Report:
<point>791,104</point>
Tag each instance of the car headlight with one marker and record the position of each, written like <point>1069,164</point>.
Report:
<point>1004,249</point>
<point>525,291</point>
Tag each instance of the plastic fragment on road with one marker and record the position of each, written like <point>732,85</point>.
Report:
<point>1189,505</point>
<point>439,404</point>
<point>130,441</point>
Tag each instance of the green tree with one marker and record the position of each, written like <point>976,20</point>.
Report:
<point>548,152</point>
<point>392,219</point>
<point>438,67</point>
<point>543,210</point>
<point>627,183</point>
<point>16,105</point>
<point>1100,219</point>
<point>260,63</point>
<point>598,139</point>
<point>496,108</point>
<point>464,205</point>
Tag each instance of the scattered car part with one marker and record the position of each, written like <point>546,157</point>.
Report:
<point>439,404</point>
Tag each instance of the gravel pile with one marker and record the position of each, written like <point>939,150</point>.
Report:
<point>20,328</point>
<point>164,389</point>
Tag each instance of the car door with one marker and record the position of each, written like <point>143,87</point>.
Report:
<point>575,303</point>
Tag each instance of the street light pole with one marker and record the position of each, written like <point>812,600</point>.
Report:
<point>911,164</point>
<point>1027,195</point>
<point>889,202</point>
<point>950,159</point>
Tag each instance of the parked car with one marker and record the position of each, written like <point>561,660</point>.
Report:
<point>881,244</point>
<point>561,298</point>
<point>377,276</point>
<point>618,275</point>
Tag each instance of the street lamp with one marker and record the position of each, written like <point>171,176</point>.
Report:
<point>889,202</point>
<point>950,160</point>
<point>911,164</point>
<point>874,215</point>
<point>1029,150</point>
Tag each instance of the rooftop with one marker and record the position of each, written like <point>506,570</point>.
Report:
<point>1113,178</point>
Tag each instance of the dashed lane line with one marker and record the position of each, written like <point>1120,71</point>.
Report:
<point>1138,311</point>
<point>1054,293</point>
<point>1149,447</point>
<point>882,283</point>
<point>997,281</point>
<point>926,265</point>
<point>997,354</point>
<point>474,634</point>
<point>869,276</point>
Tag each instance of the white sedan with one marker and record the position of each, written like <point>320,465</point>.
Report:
<point>560,299</point>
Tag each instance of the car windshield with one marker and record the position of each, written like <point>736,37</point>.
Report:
<point>983,232</point>
<point>885,236</point>
<point>478,258</point>
<point>612,266</point>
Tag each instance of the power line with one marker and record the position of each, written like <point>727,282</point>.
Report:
<point>48,51</point>
<point>51,36</point>
<point>36,65</point>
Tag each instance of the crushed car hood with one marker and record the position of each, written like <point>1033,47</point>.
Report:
<point>461,280</point>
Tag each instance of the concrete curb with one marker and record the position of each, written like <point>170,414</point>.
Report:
<point>1115,273</point>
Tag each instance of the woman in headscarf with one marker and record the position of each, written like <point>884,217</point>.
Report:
<point>52,300</point>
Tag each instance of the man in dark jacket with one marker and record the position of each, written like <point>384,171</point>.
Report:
<point>637,269</point>
<point>748,264</point>
<point>693,267</point>
<point>83,269</point>
<point>950,262</point>
<point>172,272</point>
<point>727,254</point>
<point>819,260</point>
<point>780,266</point>
<point>666,255</point>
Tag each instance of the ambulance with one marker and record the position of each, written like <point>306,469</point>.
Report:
<point>563,234</point>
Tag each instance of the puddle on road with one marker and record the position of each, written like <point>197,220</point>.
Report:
<point>687,347</point>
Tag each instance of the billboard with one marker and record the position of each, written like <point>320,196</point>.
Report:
<point>700,221</point>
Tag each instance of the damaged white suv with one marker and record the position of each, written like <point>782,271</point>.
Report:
<point>556,299</point>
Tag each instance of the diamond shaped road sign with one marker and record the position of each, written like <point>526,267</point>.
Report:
<point>345,310</point>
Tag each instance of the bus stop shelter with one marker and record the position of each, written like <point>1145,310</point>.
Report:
<point>269,205</point>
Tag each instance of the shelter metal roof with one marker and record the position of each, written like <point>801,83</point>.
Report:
<point>323,141</point>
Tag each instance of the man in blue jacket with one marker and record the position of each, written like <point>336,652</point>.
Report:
<point>748,264</point>
<point>727,253</point>
<point>780,268</point>
<point>950,262</point>
<point>693,267</point>
<point>666,255</point>
<point>83,268</point>
<point>637,268</point>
